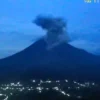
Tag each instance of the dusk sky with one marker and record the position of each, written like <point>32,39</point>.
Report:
<point>18,32</point>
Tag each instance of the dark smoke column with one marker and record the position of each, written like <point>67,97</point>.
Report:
<point>55,27</point>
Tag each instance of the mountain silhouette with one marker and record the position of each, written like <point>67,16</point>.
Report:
<point>60,62</point>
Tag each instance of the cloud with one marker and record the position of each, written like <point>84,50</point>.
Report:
<point>55,27</point>
<point>89,46</point>
<point>87,39</point>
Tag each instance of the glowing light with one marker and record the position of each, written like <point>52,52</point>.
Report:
<point>68,95</point>
<point>1,94</point>
<point>11,93</point>
<point>39,84</point>
<point>93,83</point>
<point>82,85</point>
<point>47,88</point>
<point>57,81</point>
<point>39,91</point>
<point>41,81</point>
<point>6,98</point>
<point>79,97</point>
<point>12,84</point>
<point>48,81</point>
<point>77,87</point>
<point>69,87</point>
<point>63,92</point>
<point>33,81</point>
<point>75,82</point>
<point>66,80</point>
<point>56,88</point>
<point>39,88</point>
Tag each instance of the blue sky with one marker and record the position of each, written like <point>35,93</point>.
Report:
<point>17,31</point>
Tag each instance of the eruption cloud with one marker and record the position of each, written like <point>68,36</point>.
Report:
<point>55,27</point>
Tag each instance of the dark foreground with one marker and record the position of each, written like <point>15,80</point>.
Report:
<point>50,90</point>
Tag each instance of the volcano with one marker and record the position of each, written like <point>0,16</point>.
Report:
<point>51,57</point>
<point>60,62</point>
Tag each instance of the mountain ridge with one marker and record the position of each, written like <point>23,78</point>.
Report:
<point>60,62</point>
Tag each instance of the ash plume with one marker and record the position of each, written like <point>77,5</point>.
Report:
<point>55,27</point>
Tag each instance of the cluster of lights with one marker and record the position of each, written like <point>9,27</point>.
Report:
<point>4,95</point>
<point>62,92</point>
<point>41,85</point>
